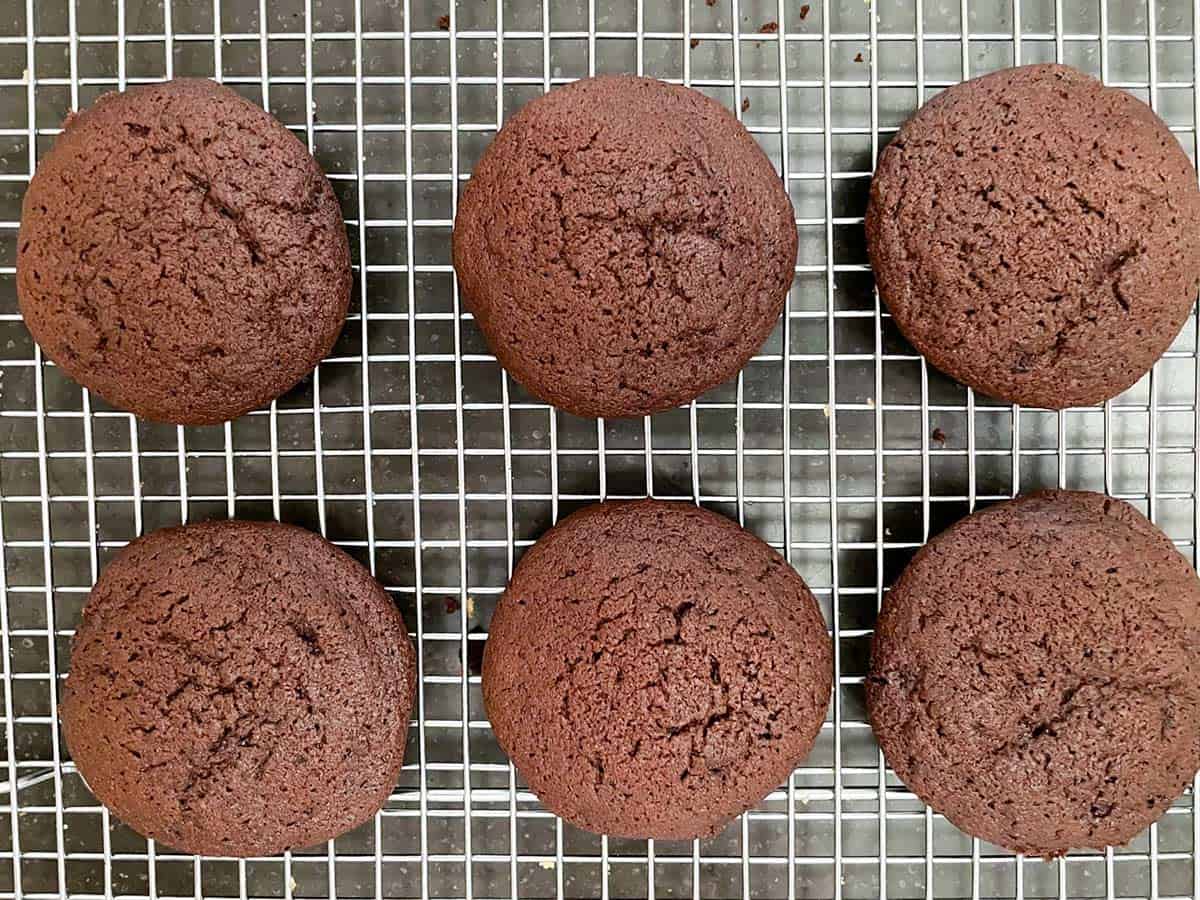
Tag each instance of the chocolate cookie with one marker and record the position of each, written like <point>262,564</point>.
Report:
<point>1036,235</point>
<point>181,254</point>
<point>624,245</point>
<point>1035,675</point>
<point>238,689</point>
<point>653,670</point>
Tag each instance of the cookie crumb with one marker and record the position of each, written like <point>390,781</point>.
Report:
<point>745,104</point>
<point>444,23</point>
<point>695,42</point>
<point>769,28</point>
<point>939,436</point>
<point>804,12</point>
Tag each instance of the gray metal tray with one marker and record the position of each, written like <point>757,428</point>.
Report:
<point>410,447</point>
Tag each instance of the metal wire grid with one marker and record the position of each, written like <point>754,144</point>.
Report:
<point>410,448</point>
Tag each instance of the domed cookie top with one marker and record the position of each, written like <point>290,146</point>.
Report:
<point>653,670</point>
<point>1037,235</point>
<point>181,254</point>
<point>239,689</point>
<point>1035,675</point>
<point>624,245</point>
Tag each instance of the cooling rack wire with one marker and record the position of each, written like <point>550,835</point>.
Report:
<point>411,449</point>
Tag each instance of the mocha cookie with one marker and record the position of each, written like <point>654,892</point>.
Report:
<point>653,670</point>
<point>238,689</point>
<point>181,254</point>
<point>1036,235</point>
<point>1035,675</point>
<point>624,245</point>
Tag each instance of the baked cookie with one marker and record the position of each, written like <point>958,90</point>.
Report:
<point>1035,675</point>
<point>653,670</point>
<point>624,245</point>
<point>1036,235</point>
<point>181,254</point>
<point>238,689</point>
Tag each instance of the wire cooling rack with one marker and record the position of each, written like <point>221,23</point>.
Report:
<point>410,448</point>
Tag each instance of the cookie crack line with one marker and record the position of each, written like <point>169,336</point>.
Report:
<point>652,233</point>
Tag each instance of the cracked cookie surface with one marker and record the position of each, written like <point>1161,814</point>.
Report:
<point>624,245</point>
<point>239,688</point>
<point>1036,235</point>
<point>182,254</point>
<point>1035,675</point>
<point>653,670</point>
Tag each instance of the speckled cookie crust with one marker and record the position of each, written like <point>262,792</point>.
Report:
<point>239,689</point>
<point>624,245</point>
<point>1035,675</point>
<point>181,254</point>
<point>1037,235</point>
<point>653,670</point>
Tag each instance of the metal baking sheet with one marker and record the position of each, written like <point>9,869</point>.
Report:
<point>410,447</point>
